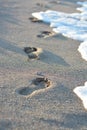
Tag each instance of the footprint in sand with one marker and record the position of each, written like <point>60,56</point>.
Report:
<point>46,34</point>
<point>37,85</point>
<point>35,20</point>
<point>32,52</point>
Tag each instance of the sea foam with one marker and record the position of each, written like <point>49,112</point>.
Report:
<point>81,92</point>
<point>73,26</point>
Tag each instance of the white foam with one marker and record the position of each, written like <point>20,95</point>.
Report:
<point>49,15</point>
<point>83,50</point>
<point>81,92</point>
<point>73,26</point>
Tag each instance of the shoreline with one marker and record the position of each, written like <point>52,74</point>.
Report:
<point>51,109</point>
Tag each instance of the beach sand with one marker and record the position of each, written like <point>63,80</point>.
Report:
<point>38,108</point>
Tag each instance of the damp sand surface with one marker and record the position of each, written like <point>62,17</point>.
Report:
<point>51,108</point>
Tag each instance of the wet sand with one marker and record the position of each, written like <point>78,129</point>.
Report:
<point>39,107</point>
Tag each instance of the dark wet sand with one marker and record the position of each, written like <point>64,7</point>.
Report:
<point>52,108</point>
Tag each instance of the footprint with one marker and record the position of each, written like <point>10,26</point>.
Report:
<point>46,34</point>
<point>29,49</point>
<point>32,52</point>
<point>42,81</point>
<point>38,84</point>
<point>35,20</point>
<point>24,91</point>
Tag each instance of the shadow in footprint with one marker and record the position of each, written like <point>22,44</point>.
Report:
<point>37,85</point>
<point>25,91</point>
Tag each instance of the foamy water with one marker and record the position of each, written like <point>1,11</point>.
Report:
<point>81,92</point>
<point>73,26</point>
